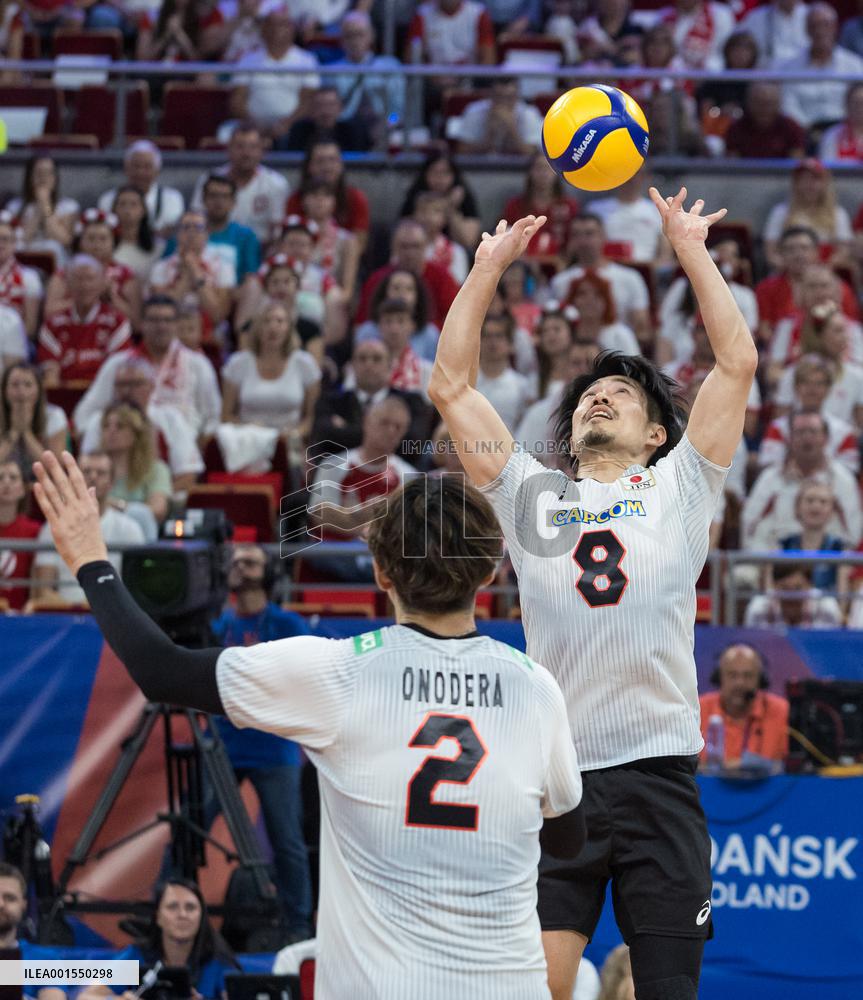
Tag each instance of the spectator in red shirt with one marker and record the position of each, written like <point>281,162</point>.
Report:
<point>763,132</point>
<point>844,141</point>
<point>14,563</point>
<point>779,295</point>
<point>96,234</point>
<point>74,343</point>
<point>544,194</point>
<point>324,162</point>
<point>409,252</point>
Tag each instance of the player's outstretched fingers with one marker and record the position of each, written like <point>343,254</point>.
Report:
<point>679,199</point>
<point>657,200</point>
<point>75,478</point>
<point>501,227</point>
<point>42,498</point>
<point>697,207</point>
<point>715,216</point>
<point>50,490</point>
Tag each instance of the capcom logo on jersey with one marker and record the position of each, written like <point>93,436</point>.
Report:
<point>575,515</point>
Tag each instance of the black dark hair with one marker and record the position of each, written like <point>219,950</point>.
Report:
<point>220,179</point>
<point>799,231</point>
<point>419,183</point>
<point>28,193</point>
<point>208,943</point>
<point>664,398</point>
<point>160,300</point>
<point>145,230</point>
<point>420,310</point>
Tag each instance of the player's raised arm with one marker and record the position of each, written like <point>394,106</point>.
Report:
<point>164,671</point>
<point>481,437</point>
<point>716,421</point>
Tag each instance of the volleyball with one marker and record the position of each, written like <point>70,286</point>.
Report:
<point>595,137</point>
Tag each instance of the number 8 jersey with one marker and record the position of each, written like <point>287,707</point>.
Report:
<point>606,578</point>
<point>437,759</point>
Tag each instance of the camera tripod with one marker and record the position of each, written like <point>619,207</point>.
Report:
<point>186,767</point>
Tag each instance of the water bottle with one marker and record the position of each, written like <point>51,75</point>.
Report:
<point>715,756</point>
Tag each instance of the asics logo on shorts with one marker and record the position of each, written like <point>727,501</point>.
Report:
<point>703,913</point>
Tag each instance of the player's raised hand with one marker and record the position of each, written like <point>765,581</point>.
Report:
<point>682,227</point>
<point>505,245</point>
<point>71,510</point>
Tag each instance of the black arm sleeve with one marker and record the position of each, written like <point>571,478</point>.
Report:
<point>164,671</point>
<point>564,836</point>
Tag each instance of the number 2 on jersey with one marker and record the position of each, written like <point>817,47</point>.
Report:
<point>602,581</point>
<point>422,810</point>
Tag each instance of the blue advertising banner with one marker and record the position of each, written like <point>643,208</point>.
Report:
<point>787,862</point>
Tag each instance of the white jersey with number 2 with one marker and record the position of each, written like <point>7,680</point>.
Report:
<point>437,760</point>
<point>606,578</point>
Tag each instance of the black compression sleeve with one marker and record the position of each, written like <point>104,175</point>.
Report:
<point>564,836</point>
<point>164,671</point>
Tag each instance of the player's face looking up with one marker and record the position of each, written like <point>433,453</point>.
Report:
<point>612,416</point>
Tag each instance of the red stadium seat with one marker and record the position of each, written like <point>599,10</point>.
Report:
<point>530,43</point>
<point>194,111</point>
<point>457,100</point>
<point>74,140</point>
<point>32,46</point>
<point>96,108</point>
<point>39,260</point>
<point>244,504</point>
<point>542,102</point>
<point>167,143</point>
<point>307,979</point>
<point>104,42</point>
<point>66,395</point>
<point>36,94</point>
<point>272,480</point>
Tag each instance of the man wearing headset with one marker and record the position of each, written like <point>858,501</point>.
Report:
<point>756,721</point>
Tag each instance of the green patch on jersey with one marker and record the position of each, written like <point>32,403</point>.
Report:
<point>368,641</point>
<point>524,660</point>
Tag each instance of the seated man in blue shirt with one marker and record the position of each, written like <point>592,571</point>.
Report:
<point>13,908</point>
<point>238,244</point>
<point>272,764</point>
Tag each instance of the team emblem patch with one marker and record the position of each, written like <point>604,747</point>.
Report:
<point>638,481</point>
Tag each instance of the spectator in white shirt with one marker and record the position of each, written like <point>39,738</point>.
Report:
<point>507,390</point>
<point>261,192</point>
<point>812,203</point>
<point>274,101</point>
<point>630,218</point>
<point>134,383</point>
<point>54,581</point>
<point>142,163</point>
<point>586,249</point>
<point>593,299</point>
<point>825,341</point>
<point>184,378</point>
<point>197,273</point>
<point>779,28</point>
<point>769,512</point>
<point>701,28</point>
<point>275,383</point>
<point>792,602</point>
<point>815,101</point>
<point>500,124</point>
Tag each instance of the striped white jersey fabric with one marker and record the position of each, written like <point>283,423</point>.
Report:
<point>437,759</point>
<point>606,576</point>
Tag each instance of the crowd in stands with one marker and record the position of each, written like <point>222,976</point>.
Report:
<point>244,327</point>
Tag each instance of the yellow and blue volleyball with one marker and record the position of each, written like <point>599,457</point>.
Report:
<point>595,137</point>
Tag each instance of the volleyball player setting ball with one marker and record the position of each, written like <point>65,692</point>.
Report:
<point>607,559</point>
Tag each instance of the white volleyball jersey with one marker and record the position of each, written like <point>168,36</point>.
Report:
<point>437,759</point>
<point>606,575</point>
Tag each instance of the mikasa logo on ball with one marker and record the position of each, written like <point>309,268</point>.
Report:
<point>578,152</point>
